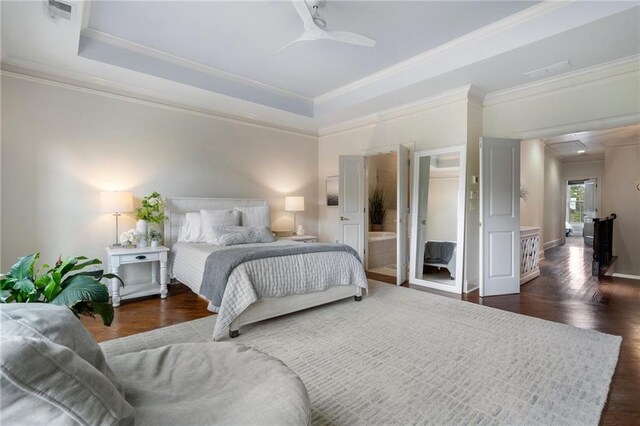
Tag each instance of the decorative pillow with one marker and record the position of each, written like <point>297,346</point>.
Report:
<point>46,383</point>
<point>55,324</point>
<point>211,218</point>
<point>191,231</point>
<point>255,216</point>
<point>246,235</point>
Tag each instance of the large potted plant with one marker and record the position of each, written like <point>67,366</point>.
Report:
<point>66,284</point>
<point>377,209</point>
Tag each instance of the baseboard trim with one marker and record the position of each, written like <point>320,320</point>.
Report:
<point>628,276</point>
<point>472,290</point>
<point>551,244</point>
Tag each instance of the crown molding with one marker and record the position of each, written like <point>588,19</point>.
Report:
<point>557,84</point>
<point>495,27</point>
<point>15,68</point>
<point>581,126</point>
<point>186,63</point>
<point>446,98</point>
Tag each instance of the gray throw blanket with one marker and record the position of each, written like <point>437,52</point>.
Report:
<point>221,263</point>
<point>438,251</point>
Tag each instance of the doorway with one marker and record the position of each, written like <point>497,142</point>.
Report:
<point>382,184</point>
<point>359,177</point>
<point>581,207</point>
<point>437,239</point>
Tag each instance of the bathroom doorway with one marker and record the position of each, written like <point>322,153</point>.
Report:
<point>382,184</point>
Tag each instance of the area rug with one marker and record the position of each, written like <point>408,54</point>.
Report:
<point>403,356</point>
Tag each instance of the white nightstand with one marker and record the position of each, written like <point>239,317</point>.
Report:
<point>119,256</point>
<point>301,238</point>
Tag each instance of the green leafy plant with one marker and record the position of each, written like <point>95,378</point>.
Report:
<point>377,210</point>
<point>152,209</point>
<point>63,284</point>
<point>154,235</point>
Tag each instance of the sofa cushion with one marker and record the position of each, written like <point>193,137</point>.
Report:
<point>55,324</point>
<point>46,383</point>
<point>211,383</point>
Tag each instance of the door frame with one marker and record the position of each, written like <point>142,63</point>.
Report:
<point>565,200</point>
<point>460,237</point>
<point>373,152</point>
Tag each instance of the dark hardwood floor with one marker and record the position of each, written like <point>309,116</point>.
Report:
<point>565,292</point>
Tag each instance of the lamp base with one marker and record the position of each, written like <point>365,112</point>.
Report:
<point>116,245</point>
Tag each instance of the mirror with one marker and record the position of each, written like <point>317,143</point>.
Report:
<point>438,219</point>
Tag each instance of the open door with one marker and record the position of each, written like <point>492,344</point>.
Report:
<point>499,216</point>
<point>351,205</point>
<point>402,212</point>
<point>590,198</point>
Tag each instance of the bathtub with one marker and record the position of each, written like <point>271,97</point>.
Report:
<point>382,249</point>
<point>381,236</point>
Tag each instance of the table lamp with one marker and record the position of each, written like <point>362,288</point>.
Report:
<point>294,204</point>
<point>116,202</point>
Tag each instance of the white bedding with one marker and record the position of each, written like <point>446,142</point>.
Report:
<point>263,278</point>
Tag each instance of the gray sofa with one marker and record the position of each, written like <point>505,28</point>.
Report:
<point>53,372</point>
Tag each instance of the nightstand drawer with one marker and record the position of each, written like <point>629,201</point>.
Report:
<point>135,258</point>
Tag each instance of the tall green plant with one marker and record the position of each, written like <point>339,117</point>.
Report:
<point>63,284</point>
<point>377,210</point>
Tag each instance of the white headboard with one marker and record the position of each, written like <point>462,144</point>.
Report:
<point>178,207</point>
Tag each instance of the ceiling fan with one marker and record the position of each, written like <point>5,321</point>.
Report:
<point>315,27</point>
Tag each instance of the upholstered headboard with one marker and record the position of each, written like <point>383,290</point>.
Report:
<point>178,207</point>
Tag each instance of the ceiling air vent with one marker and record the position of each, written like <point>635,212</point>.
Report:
<point>549,70</point>
<point>57,9</point>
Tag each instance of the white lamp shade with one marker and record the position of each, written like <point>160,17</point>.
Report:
<point>294,204</point>
<point>116,201</point>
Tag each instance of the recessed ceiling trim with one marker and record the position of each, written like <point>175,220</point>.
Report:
<point>579,78</point>
<point>186,63</point>
<point>548,18</point>
<point>522,17</point>
<point>18,68</point>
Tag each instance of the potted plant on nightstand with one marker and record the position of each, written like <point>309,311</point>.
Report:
<point>154,237</point>
<point>63,284</point>
<point>377,210</point>
<point>151,211</point>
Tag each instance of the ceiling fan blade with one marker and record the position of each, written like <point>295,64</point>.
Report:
<point>351,38</point>
<point>303,37</point>
<point>304,12</point>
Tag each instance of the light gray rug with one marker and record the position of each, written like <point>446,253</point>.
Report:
<point>403,356</point>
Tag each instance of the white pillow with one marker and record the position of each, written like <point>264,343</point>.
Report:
<point>255,216</point>
<point>234,235</point>
<point>212,218</point>
<point>191,231</point>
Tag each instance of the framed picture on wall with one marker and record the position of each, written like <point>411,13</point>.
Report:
<point>332,191</point>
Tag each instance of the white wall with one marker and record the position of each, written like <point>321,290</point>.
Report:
<point>437,127</point>
<point>442,209</point>
<point>472,204</point>
<point>621,196</point>
<point>554,212</point>
<point>62,146</point>
<point>532,178</point>
<point>585,101</point>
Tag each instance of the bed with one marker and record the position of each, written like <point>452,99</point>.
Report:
<point>441,254</point>
<point>261,288</point>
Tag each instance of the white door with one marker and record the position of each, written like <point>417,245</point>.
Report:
<point>499,216</point>
<point>402,212</point>
<point>590,198</point>
<point>351,202</point>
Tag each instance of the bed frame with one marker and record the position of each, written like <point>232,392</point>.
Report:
<point>178,207</point>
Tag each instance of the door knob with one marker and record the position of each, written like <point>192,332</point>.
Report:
<point>423,221</point>
<point>344,218</point>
